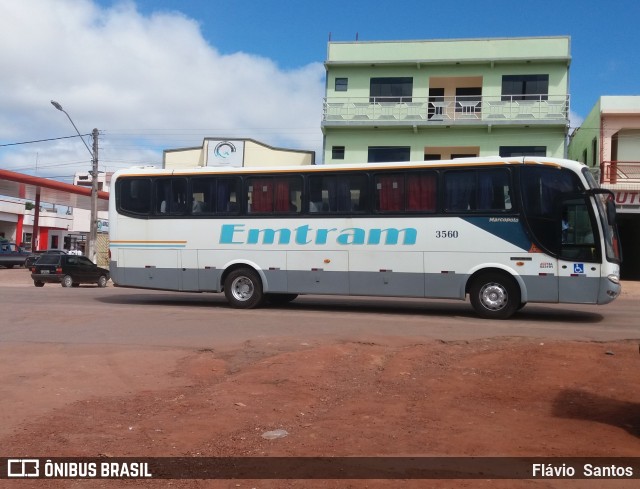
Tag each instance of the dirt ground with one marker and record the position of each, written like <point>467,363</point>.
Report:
<point>391,396</point>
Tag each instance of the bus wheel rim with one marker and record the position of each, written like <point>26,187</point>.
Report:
<point>494,296</point>
<point>242,288</point>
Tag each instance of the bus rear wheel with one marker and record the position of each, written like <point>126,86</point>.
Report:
<point>243,289</point>
<point>494,295</point>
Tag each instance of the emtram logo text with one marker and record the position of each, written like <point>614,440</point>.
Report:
<point>302,235</point>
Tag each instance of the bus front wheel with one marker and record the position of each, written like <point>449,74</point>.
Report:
<point>243,289</point>
<point>494,295</point>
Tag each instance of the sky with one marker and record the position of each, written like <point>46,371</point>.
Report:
<point>164,74</point>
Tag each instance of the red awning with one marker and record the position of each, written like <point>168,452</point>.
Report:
<point>23,186</point>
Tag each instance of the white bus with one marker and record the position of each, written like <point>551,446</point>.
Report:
<point>504,231</point>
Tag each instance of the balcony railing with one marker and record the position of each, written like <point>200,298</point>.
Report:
<point>620,172</point>
<point>439,110</point>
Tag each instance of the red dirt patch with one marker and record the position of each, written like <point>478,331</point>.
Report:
<point>493,397</point>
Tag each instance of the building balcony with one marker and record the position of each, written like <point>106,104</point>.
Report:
<point>618,172</point>
<point>460,110</point>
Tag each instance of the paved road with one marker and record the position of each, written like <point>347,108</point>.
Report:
<point>117,316</point>
<point>60,346</point>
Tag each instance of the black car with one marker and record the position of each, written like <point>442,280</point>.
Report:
<point>68,270</point>
<point>35,256</point>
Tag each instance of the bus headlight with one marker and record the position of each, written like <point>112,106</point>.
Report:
<point>614,278</point>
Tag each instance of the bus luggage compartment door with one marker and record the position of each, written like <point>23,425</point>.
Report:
<point>318,272</point>
<point>386,273</point>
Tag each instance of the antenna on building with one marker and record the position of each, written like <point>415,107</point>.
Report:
<point>356,37</point>
<point>329,37</point>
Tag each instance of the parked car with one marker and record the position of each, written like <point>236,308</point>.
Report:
<point>67,270</point>
<point>35,255</point>
<point>12,255</point>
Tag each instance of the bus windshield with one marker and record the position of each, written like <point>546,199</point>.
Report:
<point>606,213</point>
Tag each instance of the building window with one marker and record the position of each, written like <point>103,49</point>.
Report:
<point>341,84</point>
<point>396,89</point>
<point>594,151</point>
<point>463,155</point>
<point>337,153</point>
<point>525,87</point>
<point>381,154</point>
<point>26,239</point>
<point>507,151</point>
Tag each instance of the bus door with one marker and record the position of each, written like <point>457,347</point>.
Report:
<point>580,256</point>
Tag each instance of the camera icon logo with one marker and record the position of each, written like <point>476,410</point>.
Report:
<point>23,467</point>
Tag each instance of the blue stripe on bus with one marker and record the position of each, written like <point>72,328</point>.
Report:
<point>509,229</point>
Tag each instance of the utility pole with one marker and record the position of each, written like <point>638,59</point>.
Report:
<point>93,229</point>
<point>93,225</point>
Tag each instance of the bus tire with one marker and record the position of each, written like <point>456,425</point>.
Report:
<point>280,299</point>
<point>494,295</point>
<point>243,289</point>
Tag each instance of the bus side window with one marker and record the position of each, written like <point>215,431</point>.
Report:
<point>493,190</point>
<point>459,191</point>
<point>421,191</point>
<point>316,201</point>
<point>542,189</point>
<point>274,194</point>
<point>389,192</point>
<point>295,195</point>
<point>414,191</point>
<point>135,195</point>
<point>201,190</point>
<point>352,193</point>
<point>226,198</point>
<point>578,242</point>
<point>162,195</point>
<point>260,195</point>
<point>179,201</point>
<point>338,193</point>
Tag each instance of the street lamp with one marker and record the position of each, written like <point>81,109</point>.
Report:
<point>93,226</point>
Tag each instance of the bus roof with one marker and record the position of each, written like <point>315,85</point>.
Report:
<point>466,162</point>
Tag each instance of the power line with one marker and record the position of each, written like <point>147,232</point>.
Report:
<point>44,140</point>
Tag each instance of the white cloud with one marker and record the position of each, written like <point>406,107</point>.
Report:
<point>147,82</point>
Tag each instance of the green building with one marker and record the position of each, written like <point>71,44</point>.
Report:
<point>609,142</point>
<point>441,99</point>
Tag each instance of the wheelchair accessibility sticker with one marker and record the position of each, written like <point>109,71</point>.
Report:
<point>578,268</point>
